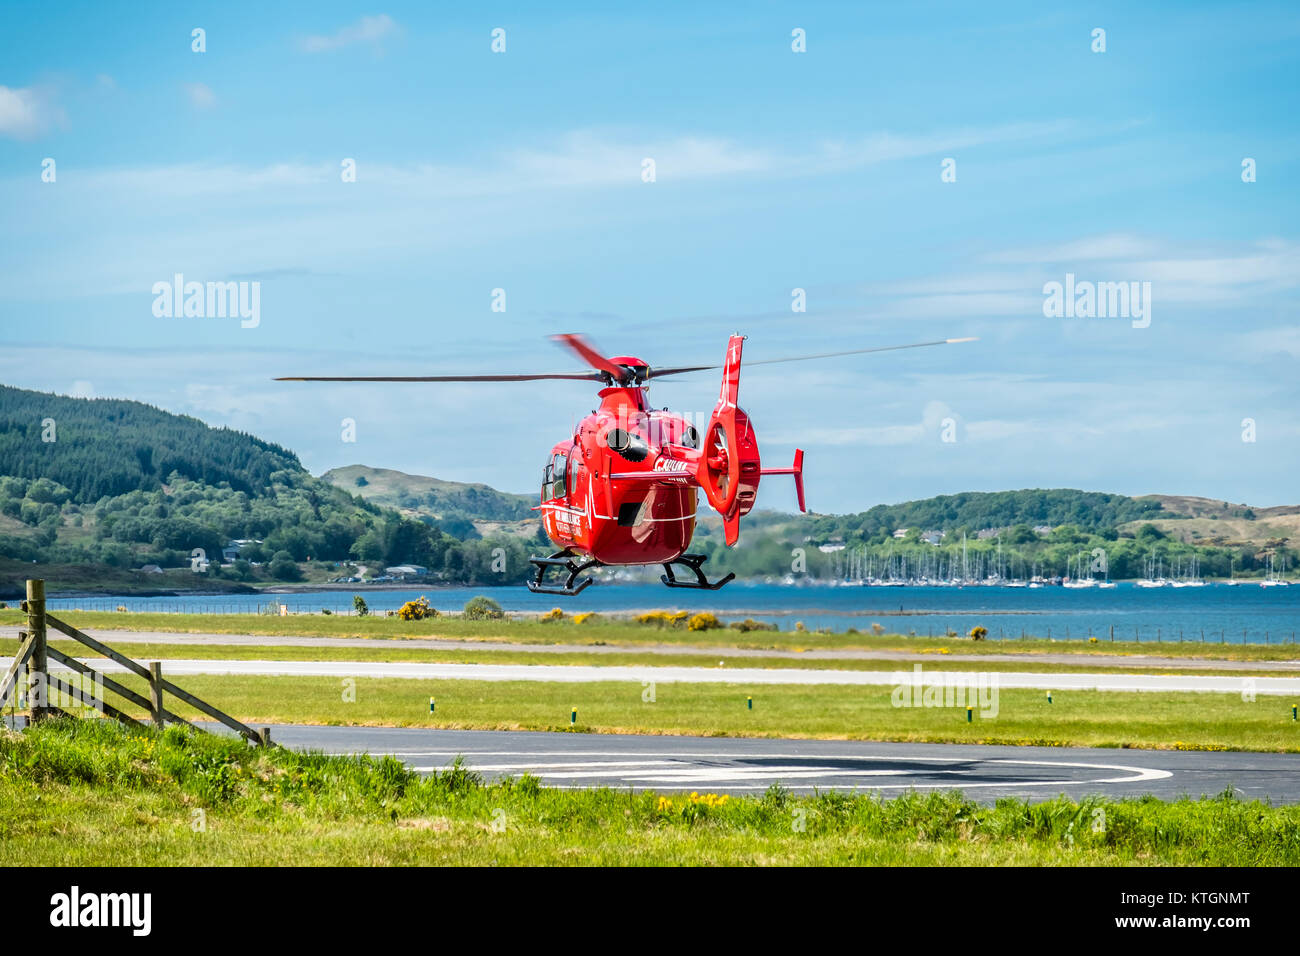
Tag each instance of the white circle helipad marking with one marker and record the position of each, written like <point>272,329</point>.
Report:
<point>638,767</point>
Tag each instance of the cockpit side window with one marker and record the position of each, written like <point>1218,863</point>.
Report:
<point>559,472</point>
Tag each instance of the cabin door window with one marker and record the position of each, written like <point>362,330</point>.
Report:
<point>556,477</point>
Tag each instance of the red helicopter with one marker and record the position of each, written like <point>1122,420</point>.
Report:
<point>623,489</point>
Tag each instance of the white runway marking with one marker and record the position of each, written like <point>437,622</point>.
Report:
<point>561,673</point>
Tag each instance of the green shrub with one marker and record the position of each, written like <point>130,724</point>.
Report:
<point>483,609</point>
<point>749,624</point>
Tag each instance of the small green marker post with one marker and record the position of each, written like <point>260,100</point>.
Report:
<point>969,714</point>
<point>432,704</point>
<point>573,716</point>
<point>749,703</point>
<point>1049,696</point>
<point>1293,713</point>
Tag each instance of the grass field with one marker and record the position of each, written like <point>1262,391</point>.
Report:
<point>394,651</point>
<point>1024,717</point>
<point>631,634</point>
<point>85,793</point>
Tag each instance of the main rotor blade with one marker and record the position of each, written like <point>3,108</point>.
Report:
<point>678,370</point>
<point>587,352</point>
<point>598,362</point>
<point>574,377</point>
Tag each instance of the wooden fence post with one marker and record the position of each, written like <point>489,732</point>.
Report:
<point>156,694</point>
<point>38,677</point>
<point>264,736</point>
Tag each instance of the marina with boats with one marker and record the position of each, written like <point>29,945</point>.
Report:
<point>988,568</point>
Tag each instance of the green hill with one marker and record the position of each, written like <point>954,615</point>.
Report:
<point>448,502</point>
<point>120,484</point>
<point>102,447</point>
<point>976,510</point>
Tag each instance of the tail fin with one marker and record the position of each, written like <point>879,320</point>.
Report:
<point>796,471</point>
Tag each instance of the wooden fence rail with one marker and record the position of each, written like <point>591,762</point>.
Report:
<point>35,653</point>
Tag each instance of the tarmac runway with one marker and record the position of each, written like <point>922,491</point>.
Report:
<point>1005,680</point>
<point>748,766</point>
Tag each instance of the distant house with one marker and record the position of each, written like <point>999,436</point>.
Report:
<point>901,533</point>
<point>406,570</point>
<point>231,551</point>
<point>1042,529</point>
<point>985,533</point>
<point>932,537</point>
<point>151,569</point>
<point>830,548</point>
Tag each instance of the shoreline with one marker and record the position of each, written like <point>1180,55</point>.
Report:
<point>327,588</point>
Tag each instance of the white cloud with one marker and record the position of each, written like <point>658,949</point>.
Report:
<point>370,30</point>
<point>580,159</point>
<point>1278,341</point>
<point>201,95</point>
<point>928,428</point>
<point>833,156</point>
<point>1115,246</point>
<point>1271,263</point>
<point>27,113</point>
<point>1178,272</point>
<point>589,159</point>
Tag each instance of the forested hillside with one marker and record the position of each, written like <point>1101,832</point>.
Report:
<point>122,484</point>
<point>1017,534</point>
<point>103,447</point>
<point>974,511</point>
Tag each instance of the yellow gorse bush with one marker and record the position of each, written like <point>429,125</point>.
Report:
<point>417,610</point>
<point>663,618</point>
<point>704,621</point>
<point>554,614</point>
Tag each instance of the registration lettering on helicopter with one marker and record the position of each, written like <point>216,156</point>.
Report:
<point>567,520</point>
<point>673,465</point>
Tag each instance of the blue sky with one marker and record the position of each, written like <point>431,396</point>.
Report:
<point>775,170</point>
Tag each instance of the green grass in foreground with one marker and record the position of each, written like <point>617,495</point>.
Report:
<point>1075,718</point>
<point>631,634</point>
<point>87,793</point>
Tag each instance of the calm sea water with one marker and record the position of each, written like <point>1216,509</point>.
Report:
<point>1213,613</point>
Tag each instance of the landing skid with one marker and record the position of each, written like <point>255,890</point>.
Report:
<point>567,561</point>
<point>692,562</point>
